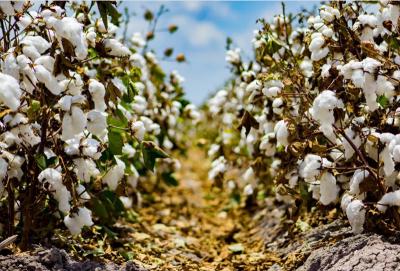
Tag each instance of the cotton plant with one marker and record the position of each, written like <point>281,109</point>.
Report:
<point>71,129</point>
<point>317,107</point>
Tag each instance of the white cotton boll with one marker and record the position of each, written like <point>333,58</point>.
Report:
<point>75,222</point>
<point>358,176</point>
<point>254,86</point>
<point>85,169</point>
<point>34,46</point>
<point>139,104</point>
<point>346,200</point>
<point>266,145</point>
<point>10,92</point>
<point>249,175</point>
<point>319,54</point>
<point>59,191</point>
<point>325,70</point>
<point>47,78</point>
<point>7,8</point>
<point>281,133</point>
<point>133,178</point>
<point>46,61</point>
<point>355,139</point>
<point>115,48</point>
<point>3,170</point>
<point>126,201</point>
<point>389,199</point>
<point>128,150</point>
<point>70,29</point>
<point>233,56</point>
<point>91,148</point>
<point>82,193</point>
<point>271,92</point>
<point>10,65</point>
<point>355,212</point>
<point>138,40</point>
<point>96,122</point>
<point>115,174</point>
<point>277,106</point>
<point>248,190</point>
<point>306,67</point>
<point>310,168</point>
<point>73,123</point>
<point>322,111</point>
<point>214,148</point>
<point>385,87</point>
<point>388,163</point>
<point>72,147</point>
<point>218,166</point>
<point>367,19</point>
<point>27,134</point>
<point>328,189</point>
<point>138,130</point>
<point>97,91</point>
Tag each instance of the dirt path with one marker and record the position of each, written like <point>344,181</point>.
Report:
<point>195,227</point>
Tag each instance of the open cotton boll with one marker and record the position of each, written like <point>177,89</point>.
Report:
<point>126,201</point>
<point>115,174</point>
<point>218,167</point>
<point>346,200</point>
<point>281,133</point>
<point>70,29</point>
<point>254,86</point>
<point>128,150</point>
<point>355,212</point>
<point>233,56</point>
<point>46,61</point>
<point>96,122</point>
<point>10,65</point>
<point>75,222</point>
<point>115,48</point>
<point>355,139</point>
<point>322,111</point>
<point>82,193</point>
<point>358,176</point>
<point>389,199</point>
<point>138,130</point>
<point>85,169</point>
<point>59,191</point>
<point>310,167</point>
<point>47,78</point>
<point>97,91</point>
<point>73,123</point>
<point>34,46</point>
<point>3,170</point>
<point>138,40</point>
<point>10,92</point>
<point>328,189</point>
<point>91,148</point>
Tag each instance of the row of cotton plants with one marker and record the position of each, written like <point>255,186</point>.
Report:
<point>317,108</point>
<point>82,114</point>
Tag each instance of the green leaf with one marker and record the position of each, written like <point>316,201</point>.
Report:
<point>41,161</point>
<point>383,101</point>
<point>150,153</point>
<point>170,179</point>
<point>102,6</point>
<point>115,142</point>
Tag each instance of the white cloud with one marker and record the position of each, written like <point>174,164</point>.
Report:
<point>198,33</point>
<point>192,6</point>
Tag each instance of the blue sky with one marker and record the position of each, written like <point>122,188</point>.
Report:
<point>203,29</point>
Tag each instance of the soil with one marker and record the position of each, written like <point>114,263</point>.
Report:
<point>196,226</point>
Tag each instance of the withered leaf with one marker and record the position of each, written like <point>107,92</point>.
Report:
<point>248,121</point>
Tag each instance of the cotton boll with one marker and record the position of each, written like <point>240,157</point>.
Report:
<point>325,70</point>
<point>306,67</point>
<point>10,66</point>
<point>115,174</point>
<point>82,193</point>
<point>138,40</point>
<point>346,200</point>
<point>322,111</point>
<point>233,56</point>
<point>328,189</point>
<point>73,123</point>
<point>97,91</point>
<point>46,77</point>
<point>254,86</point>
<point>91,148</point>
<point>281,133</point>
<point>10,92</point>
<point>277,106</point>
<point>34,46</point>
<point>218,167</point>
<point>70,29</point>
<point>3,170</point>
<point>358,176</point>
<point>85,169</point>
<point>389,199</point>
<point>75,222</point>
<point>133,178</point>
<point>310,168</point>
<point>355,212</point>
<point>96,122</point>
<point>115,48</point>
<point>138,130</point>
<point>355,139</point>
<point>126,201</point>
<point>46,61</point>
<point>128,150</point>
